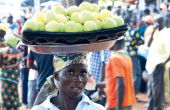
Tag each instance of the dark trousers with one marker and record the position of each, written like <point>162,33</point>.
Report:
<point>137,74</point>
<point>24,84</point>
<point>156,92</point>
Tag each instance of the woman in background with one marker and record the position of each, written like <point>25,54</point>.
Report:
<point>9,73</point>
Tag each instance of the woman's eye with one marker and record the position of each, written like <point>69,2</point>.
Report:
<point>83,74</point>
<point>71,73</point>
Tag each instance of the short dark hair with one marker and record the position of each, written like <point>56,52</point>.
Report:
<point>120,44</point>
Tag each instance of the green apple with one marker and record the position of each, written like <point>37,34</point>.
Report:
<point>86,6</point>
<point>71,26</point>
<point>54,26</point>
<point>119,21</point>
<point>49,16</point>
<point>75,17</point>
<point>105,14</point>
<point>95,15</point>
<point>90,25</point>
<point>108,23</point>
<point>39,17</point>
<point>30,25</point>
<point>68,18</point>
<point>95,7</point>
<point>80,27</point>
<point>41,26</point>
<point>85,16</point>
<point>59,9</point>
<point>61,18</point>
<point>99,24</point>
<point>72,9</point>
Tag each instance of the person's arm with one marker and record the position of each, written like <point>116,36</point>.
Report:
<point>120,92</point>
<point>30,62</point>
<point>31,65</point>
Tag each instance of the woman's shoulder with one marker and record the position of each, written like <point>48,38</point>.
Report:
<point>97,106</point>
<point>91,105</point>
<point>46,105</point>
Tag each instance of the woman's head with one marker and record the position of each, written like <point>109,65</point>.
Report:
<point>71,74</point>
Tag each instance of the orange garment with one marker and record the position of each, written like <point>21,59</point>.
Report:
<point>119,65</point>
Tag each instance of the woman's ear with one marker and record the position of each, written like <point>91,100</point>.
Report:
<point>56,75</point>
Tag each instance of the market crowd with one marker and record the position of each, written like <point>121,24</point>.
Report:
<point>110,79</point>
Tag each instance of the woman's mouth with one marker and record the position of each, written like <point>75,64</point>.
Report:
<point>76,89</point>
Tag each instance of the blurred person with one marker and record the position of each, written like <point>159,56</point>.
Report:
<point>3,29</point>
<point>163,8</point>
<point>9,69</point>
<point>96,64</point>
<point>119,79</point>
<point>24,73</point>
<point>149,21</point>
<point>157,55</point>
<point>167,66</point>
<point>12,25</point>
<point>32,92</point>
<point>44,67</point>
<point>70,78</point>
<point>133,40</point>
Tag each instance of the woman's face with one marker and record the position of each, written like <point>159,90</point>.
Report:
<point>73,79</point>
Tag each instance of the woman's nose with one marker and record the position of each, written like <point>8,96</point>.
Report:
<point>77,78</point>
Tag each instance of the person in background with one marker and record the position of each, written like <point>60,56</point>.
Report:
<point>158,53</point>
<point>133,40</point>
<point>32,92</point>
<point>44,66</point>
<point>70,78</point>
<point>12,26</point>
<point>96,64</point>
<point>24,73</point>
<point>119,79</point>
<point>9,69</point>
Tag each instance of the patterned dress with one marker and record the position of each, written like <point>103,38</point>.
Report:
<point>9,78</point>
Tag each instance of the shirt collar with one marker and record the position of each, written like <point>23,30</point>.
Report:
<point>48,104</point>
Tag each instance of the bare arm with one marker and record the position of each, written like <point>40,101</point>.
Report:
<point>120,92</point>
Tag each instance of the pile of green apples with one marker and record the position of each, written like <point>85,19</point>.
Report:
<point>82,18</point>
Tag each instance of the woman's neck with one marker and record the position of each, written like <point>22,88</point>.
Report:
<point>65,102</point>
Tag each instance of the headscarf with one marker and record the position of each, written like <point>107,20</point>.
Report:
<point>61,61</point>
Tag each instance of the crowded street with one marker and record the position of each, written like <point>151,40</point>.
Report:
<point>84,55</point>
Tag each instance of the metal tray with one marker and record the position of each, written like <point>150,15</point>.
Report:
<point>61,48</point>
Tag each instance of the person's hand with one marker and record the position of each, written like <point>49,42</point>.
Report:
<point>101,92</point>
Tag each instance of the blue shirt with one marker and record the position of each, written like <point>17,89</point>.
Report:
<point>45,66</point>
<point>95,60</point>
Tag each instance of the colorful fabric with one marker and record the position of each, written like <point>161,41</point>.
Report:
<point>119,65</point>
<point>9,78</point>
<point>133,40</point>
<point>63,60</point>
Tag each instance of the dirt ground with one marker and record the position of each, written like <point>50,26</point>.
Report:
<point>142,104</point>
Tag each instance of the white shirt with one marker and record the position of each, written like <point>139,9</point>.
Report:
<point>159,50</point>
<point>84,104</point>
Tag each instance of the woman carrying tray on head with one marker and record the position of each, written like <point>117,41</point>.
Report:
<point>69,79</point>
